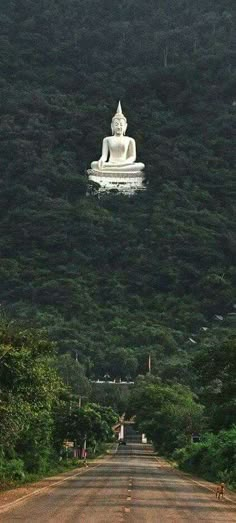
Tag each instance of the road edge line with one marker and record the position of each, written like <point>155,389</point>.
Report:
<point>211,489</point>
<point>36,492</point>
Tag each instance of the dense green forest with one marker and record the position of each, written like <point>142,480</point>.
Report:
<point>114,279</point>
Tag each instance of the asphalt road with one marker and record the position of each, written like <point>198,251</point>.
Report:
<point>130,487</point>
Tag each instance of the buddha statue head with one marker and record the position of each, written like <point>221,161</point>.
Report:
<point>119,122</point>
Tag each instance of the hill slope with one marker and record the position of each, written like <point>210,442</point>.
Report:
<point>118,278</point>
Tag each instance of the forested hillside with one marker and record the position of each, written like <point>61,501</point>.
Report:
<point>117,278</point>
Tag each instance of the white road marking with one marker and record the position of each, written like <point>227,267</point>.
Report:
<point>4,508</point>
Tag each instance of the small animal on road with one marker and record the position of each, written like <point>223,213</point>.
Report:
<point>220,490</point>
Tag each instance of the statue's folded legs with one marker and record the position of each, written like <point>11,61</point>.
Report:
<point>107,167</point>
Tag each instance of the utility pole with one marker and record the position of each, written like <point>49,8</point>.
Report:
<point>85,450</point>
<point>80,400</point>
<point>149,364</point>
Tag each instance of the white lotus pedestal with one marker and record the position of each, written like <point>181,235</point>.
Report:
<point>123,182</point>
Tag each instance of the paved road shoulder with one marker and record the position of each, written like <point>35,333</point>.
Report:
<point>12,497</point>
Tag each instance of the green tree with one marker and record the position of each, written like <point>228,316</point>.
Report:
<point>73,375</point>
<point>29,389</point>
<point>215,368</point>
<point>167,414</point>
<point>91,422</point>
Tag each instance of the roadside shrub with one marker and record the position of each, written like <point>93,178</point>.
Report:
<point>13,469</point>
<point>214,458</point>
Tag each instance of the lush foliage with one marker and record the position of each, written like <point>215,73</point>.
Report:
<point>73,376</point>
<point>29,389</point>
<point>215,369</point>
<point>37,410</point>
<point>170,414</point>
<point>167,414</point>
<point>92,423</point>
<point>214,458</point>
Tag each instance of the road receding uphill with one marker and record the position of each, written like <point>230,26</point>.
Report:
<point>131,486</point>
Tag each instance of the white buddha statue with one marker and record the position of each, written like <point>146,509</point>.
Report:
<point>118,150</point>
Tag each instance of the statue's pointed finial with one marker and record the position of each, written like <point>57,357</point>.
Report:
<point>119,113</point>
<point>119,108</point>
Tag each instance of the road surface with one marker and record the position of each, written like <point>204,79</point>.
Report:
<point>132,486</point>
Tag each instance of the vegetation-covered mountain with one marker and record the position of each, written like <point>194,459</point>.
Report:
<point>118,278</point>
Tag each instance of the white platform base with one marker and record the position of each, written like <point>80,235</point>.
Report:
<point>127,183</point>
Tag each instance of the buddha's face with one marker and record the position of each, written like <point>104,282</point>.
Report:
<point>118,126</point>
